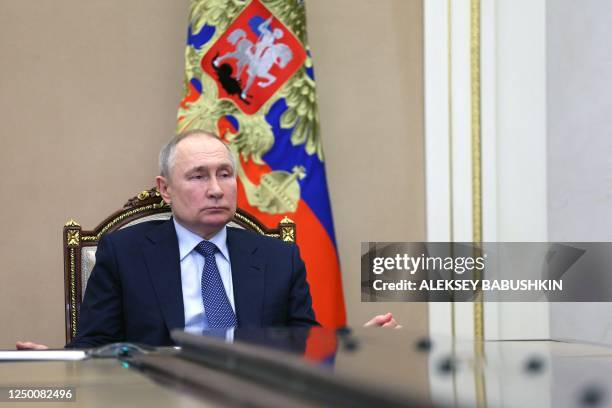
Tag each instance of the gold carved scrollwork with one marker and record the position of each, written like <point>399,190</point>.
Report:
<point>72,223</point>
<point>288,234</point>
<point>140,197</point>
<point>122,217</point>
<point>73,237</point>
<point>73,293</point>
<point>287,227</point>
<point>287,220</point>
<point>143,195</point>
<point>248,222</point>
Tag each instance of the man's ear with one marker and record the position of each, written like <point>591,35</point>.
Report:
<point>162,187</point>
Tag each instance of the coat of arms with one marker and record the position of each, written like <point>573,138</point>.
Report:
<point>256,55</point>
<point>249,75</point>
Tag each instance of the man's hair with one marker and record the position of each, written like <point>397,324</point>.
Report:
<point>168,151</point>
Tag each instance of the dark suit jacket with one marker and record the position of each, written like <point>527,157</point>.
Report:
<point>134,293</point>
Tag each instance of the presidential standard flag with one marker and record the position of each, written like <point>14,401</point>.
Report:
<point>249,78</point>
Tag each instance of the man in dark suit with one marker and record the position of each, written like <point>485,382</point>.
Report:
<point>135,294</point>
<point>193,271</point>
<point>142,286</point>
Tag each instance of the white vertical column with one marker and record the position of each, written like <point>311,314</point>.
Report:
<point>448,144</point>
<point>514,148</point>
<point>448,167</point>
<point>461,118</point>
<point>437,146</point>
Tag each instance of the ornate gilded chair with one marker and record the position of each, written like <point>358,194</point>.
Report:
<point>80,245</point>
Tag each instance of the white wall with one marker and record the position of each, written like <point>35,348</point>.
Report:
<point>579,93</point>
<point>518,165</point>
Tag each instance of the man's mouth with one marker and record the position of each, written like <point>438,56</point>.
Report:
<point>215,209</point>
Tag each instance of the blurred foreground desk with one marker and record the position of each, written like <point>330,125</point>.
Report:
<point>319,368</point>
<point>98,383</point>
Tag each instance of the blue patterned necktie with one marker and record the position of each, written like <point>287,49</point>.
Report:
<point>216,304</point>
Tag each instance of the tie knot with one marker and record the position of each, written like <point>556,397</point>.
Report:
<point>206,248</point>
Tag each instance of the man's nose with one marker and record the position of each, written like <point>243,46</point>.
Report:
<point>214,189</point>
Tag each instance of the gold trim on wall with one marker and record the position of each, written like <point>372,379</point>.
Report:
<point>476,155</point>
<point>479,378</point>
<point>451,191</point>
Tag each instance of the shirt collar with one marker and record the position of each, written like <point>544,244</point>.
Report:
<point>188,240</point>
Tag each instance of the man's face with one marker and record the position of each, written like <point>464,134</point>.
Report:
<point>201,186</point>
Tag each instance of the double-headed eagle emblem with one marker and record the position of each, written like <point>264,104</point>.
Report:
<point>254,65</point>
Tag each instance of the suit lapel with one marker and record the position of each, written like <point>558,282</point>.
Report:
<point>163,263</point>
<point>247,278</point>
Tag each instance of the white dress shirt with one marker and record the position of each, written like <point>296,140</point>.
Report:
<point>192,265</point>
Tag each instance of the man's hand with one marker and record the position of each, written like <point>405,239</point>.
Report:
<point>385,320</point>
<point>29,345</point>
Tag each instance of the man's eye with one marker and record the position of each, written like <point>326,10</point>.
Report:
<point>196,177</point>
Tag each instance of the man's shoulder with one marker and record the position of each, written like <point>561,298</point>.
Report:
<point>140,230</point>
<point>253,238</point>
